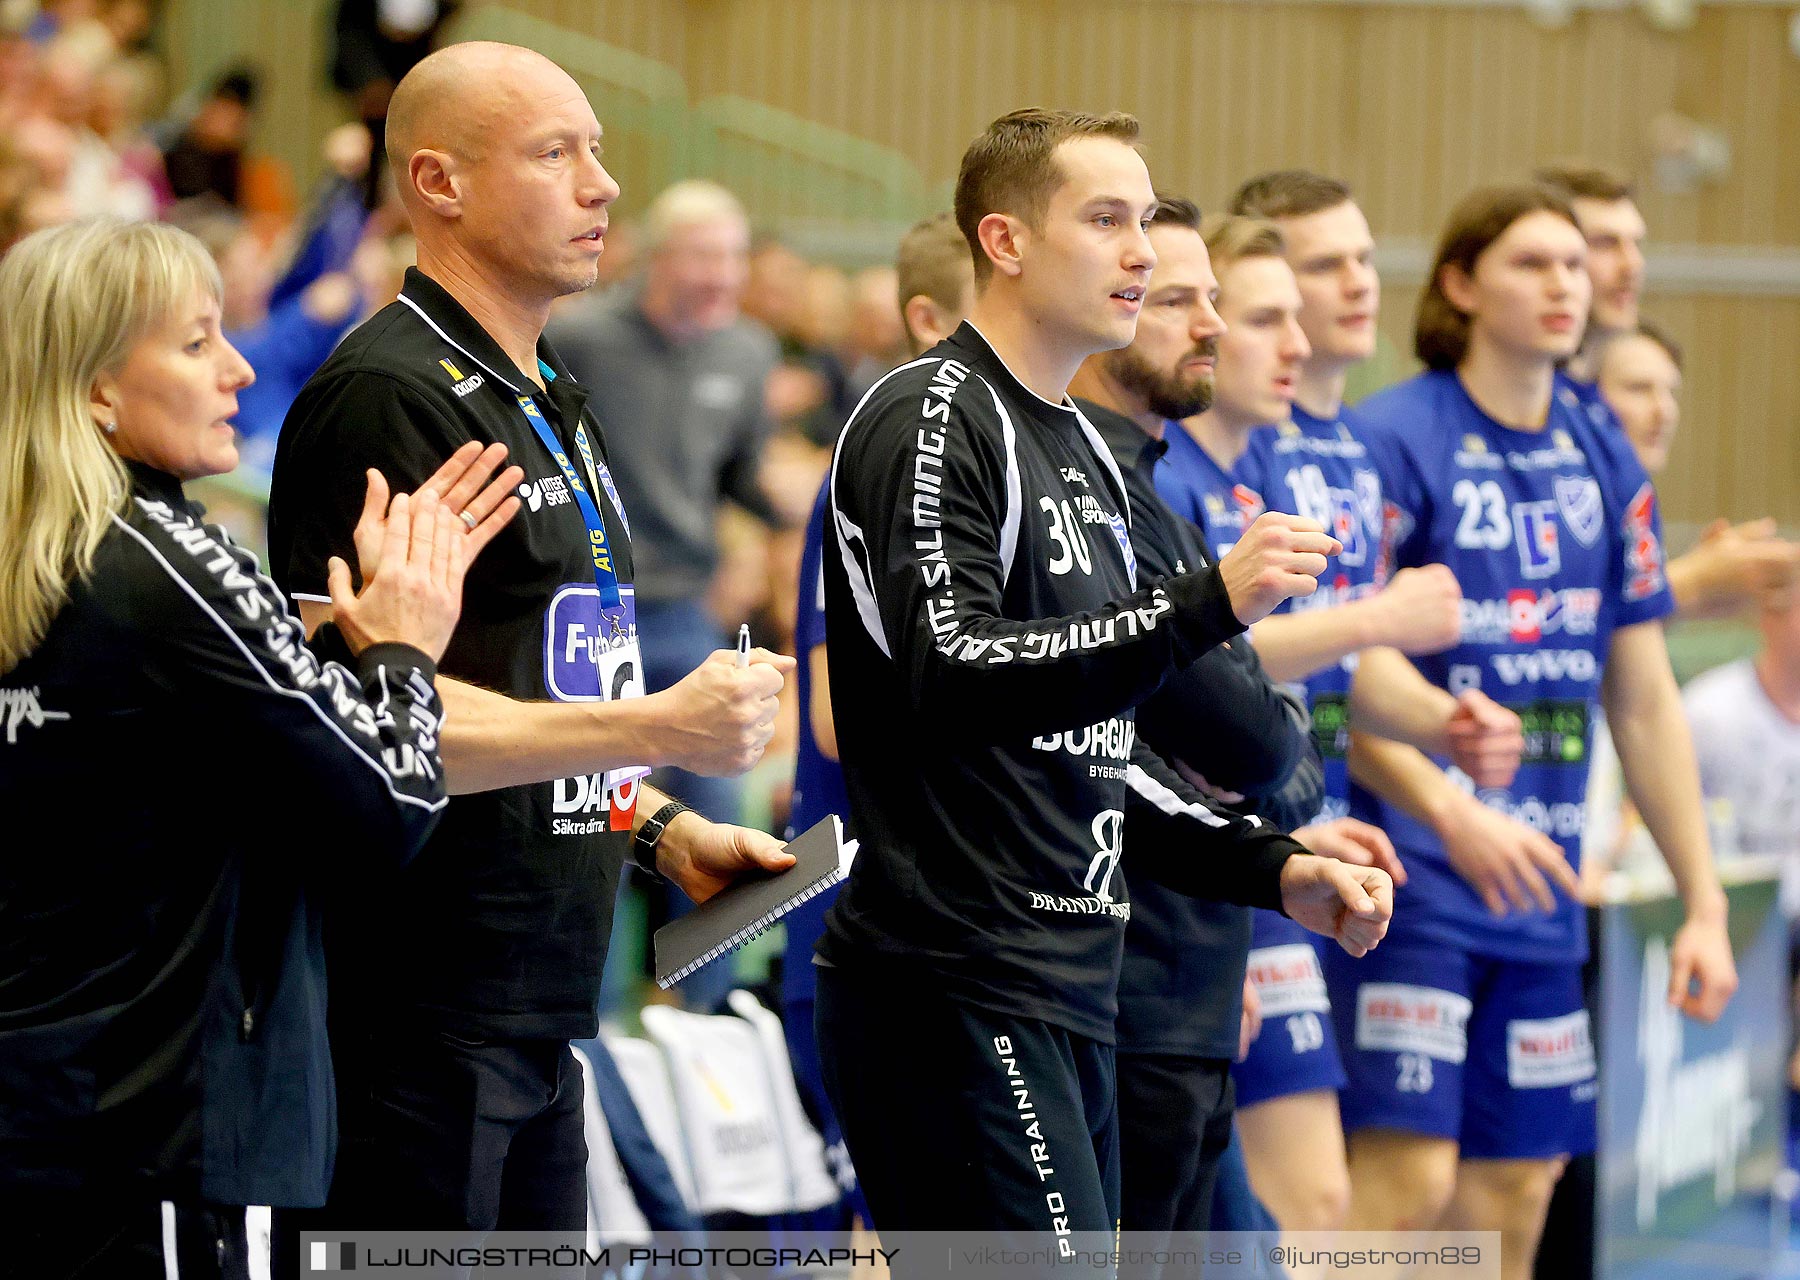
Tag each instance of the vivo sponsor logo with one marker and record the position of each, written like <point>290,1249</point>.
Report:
<point>1563,820</point>
<point>1697,1115</point>
<point>1403,1018</point>
<point>1527,615</point>
<point>21,707</point>
<point>1537,665</point>
<point>1288,980</point>
<point>1112,738</point>
<point>1547,1053</point>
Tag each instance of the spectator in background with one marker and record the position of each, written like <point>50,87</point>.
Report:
<point>678,376</point>
<point>1732,566</point>
<point>125,91</point>
<point>287,340</point>
<point>94,177</point>
<point>1745,718</point>
<point>775,292</point>
<point>32,207</point>
<point>125,23</point>
<point>374,43</point>
<point>1638,372</point>
<point>207,156</point>
<point>1746,722</point>
<point>874,340</point>
<point>18,72</point>
<point>809,389</point>
<point>286,305</point>
<point>53,16</point>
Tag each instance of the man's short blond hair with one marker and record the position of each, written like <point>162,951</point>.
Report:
<point>1231,237</point>
<point>933,262</point>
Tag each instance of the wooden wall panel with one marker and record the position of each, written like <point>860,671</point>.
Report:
<point>1412,104</point>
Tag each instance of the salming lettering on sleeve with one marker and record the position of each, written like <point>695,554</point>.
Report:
<point>215,613</point>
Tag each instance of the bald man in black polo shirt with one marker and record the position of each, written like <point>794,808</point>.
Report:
<point>457,984</point>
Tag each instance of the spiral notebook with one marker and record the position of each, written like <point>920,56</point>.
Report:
<point>732,917</point>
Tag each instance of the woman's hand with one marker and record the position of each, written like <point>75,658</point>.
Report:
<point>413,553</point>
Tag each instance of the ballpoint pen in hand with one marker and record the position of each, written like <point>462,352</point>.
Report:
<point>743,645</point>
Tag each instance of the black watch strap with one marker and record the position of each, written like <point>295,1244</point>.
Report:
<point>643,842</point>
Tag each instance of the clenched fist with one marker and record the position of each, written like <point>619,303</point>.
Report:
<point>1485,740</point>
<point>1421,610</point>
<point>1279,557</point>
<point>1352,905</point>
<point>723,714</point>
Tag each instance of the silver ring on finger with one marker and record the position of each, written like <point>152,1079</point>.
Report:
<point>468,518</point>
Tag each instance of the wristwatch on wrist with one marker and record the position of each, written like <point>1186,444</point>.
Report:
<point>643,843</point>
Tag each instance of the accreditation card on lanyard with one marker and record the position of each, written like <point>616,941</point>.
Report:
<point>592,646</point>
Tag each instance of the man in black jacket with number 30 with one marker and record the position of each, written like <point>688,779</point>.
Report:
<point>989,636</point>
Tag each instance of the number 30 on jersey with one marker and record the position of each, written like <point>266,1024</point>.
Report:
<point>1065,532</point>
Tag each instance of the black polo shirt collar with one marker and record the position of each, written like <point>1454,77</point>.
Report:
<point>451,321</point>
<point>1132,448</point>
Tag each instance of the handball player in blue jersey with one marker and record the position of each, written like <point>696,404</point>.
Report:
<point>1467,1045</point>
<point>1287,1085</point>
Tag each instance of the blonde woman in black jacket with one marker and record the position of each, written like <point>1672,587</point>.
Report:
<point>163,727</point>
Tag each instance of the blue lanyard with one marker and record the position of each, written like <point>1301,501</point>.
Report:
<point>606,574</point>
